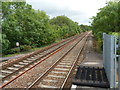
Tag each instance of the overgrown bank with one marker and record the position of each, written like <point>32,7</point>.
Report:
<point>106,21</point>
<point>32,28</point>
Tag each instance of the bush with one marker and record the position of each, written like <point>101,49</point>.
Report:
<point>4,43</point>
<point>14,50</point>
<point>19,49</point>
<point>25,48</point>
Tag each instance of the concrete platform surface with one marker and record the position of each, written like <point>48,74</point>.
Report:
<point>92,59</point>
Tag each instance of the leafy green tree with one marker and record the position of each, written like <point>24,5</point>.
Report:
<point>85,27</point>
<point>65,26</point>
<point>21,23</point>
<point>107,19</point>
<point>4,42</point>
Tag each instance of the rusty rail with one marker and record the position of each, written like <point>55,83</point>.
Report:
<point>34,53</point>
<point>49,69</point>
<point>37,63</point>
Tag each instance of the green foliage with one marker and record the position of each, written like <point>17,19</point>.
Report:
<point>84,28</point>
<point>32,28</point>
<point>64,27</point>
<point>13,50</point>
<point>107,21</point>
<point>24,25</point>
<point>25,48</point>
<point>19,49</point>
<point>5,42</point>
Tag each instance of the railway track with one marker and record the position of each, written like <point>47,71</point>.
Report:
<point>17,66</point>
<point>9,63</point>
<point>12,71</point>
<point>57,75</point>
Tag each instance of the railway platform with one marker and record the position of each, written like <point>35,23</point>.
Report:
<point>97,73</point>
<point>93,61</point>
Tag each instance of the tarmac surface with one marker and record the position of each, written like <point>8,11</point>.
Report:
<point>92,59</point>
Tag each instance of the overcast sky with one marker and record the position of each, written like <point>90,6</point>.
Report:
<point>78,10</point>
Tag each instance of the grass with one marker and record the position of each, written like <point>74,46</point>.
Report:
<point>31,50</point>
<point>25,52</point>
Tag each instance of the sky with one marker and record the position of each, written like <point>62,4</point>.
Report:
<point>78,10</point>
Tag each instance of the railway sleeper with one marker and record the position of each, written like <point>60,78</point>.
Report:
<point>47,86</point>
<point>56,76</point>
<point>62,69</point>
<point>49,80</point>
<point>6,71</point>
<point>59,72</point>
<point>23,63</point>
<point>18,65</point>
<point>63,65</point>
<point>1,75</point>
<point>26,61</point>
<point>12,68</point>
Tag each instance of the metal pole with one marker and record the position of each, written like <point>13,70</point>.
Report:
<point>119,64</point>
<point>119,40</point>
<point>104,49</point>
<point>119,72</point>
<point>115,62</point>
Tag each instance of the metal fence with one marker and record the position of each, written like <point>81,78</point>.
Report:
<point>109,59</point>
<point>119,64</point>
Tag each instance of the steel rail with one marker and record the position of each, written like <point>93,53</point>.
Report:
<point>36,64</point>
<point>49,69</point>
<point>33,61</point>
<point>78,55</point>
<point>34,53</point>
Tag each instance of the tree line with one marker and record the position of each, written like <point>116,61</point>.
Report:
<point>33,28</point>
<point>107,20</point>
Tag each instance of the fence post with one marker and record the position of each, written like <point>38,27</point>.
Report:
<point>115,62</point>
<point>104,49</point>
<point>109,58</point>
<point>119,64</point>
<point>119,72</point>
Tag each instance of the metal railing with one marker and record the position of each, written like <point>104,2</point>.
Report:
<point>110,59</point>
<point>119,73</point>
<point>119,64</point>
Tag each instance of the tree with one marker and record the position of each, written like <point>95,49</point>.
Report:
<point>107,19</point>
<point>65,26</point>
<point>21,23</point>
<point>4,42</point>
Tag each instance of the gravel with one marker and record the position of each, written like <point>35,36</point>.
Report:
<point>35,56</point>
<point>34,73</point>
<point>70,56</point>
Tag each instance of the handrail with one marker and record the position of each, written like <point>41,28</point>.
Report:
<point>119,73</point>
<point>110,56</point>
<point>119,64</point>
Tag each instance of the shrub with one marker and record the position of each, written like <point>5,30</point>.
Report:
<point>19,49</point>
<point>25,48</point>
<point>13,50</point>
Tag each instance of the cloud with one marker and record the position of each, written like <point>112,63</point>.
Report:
<point>77,10</point>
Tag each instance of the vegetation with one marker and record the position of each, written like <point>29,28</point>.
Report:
<point>85,28</point>
<point>107,21</point>
<point>64,26</point>
<point>32,28</point>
